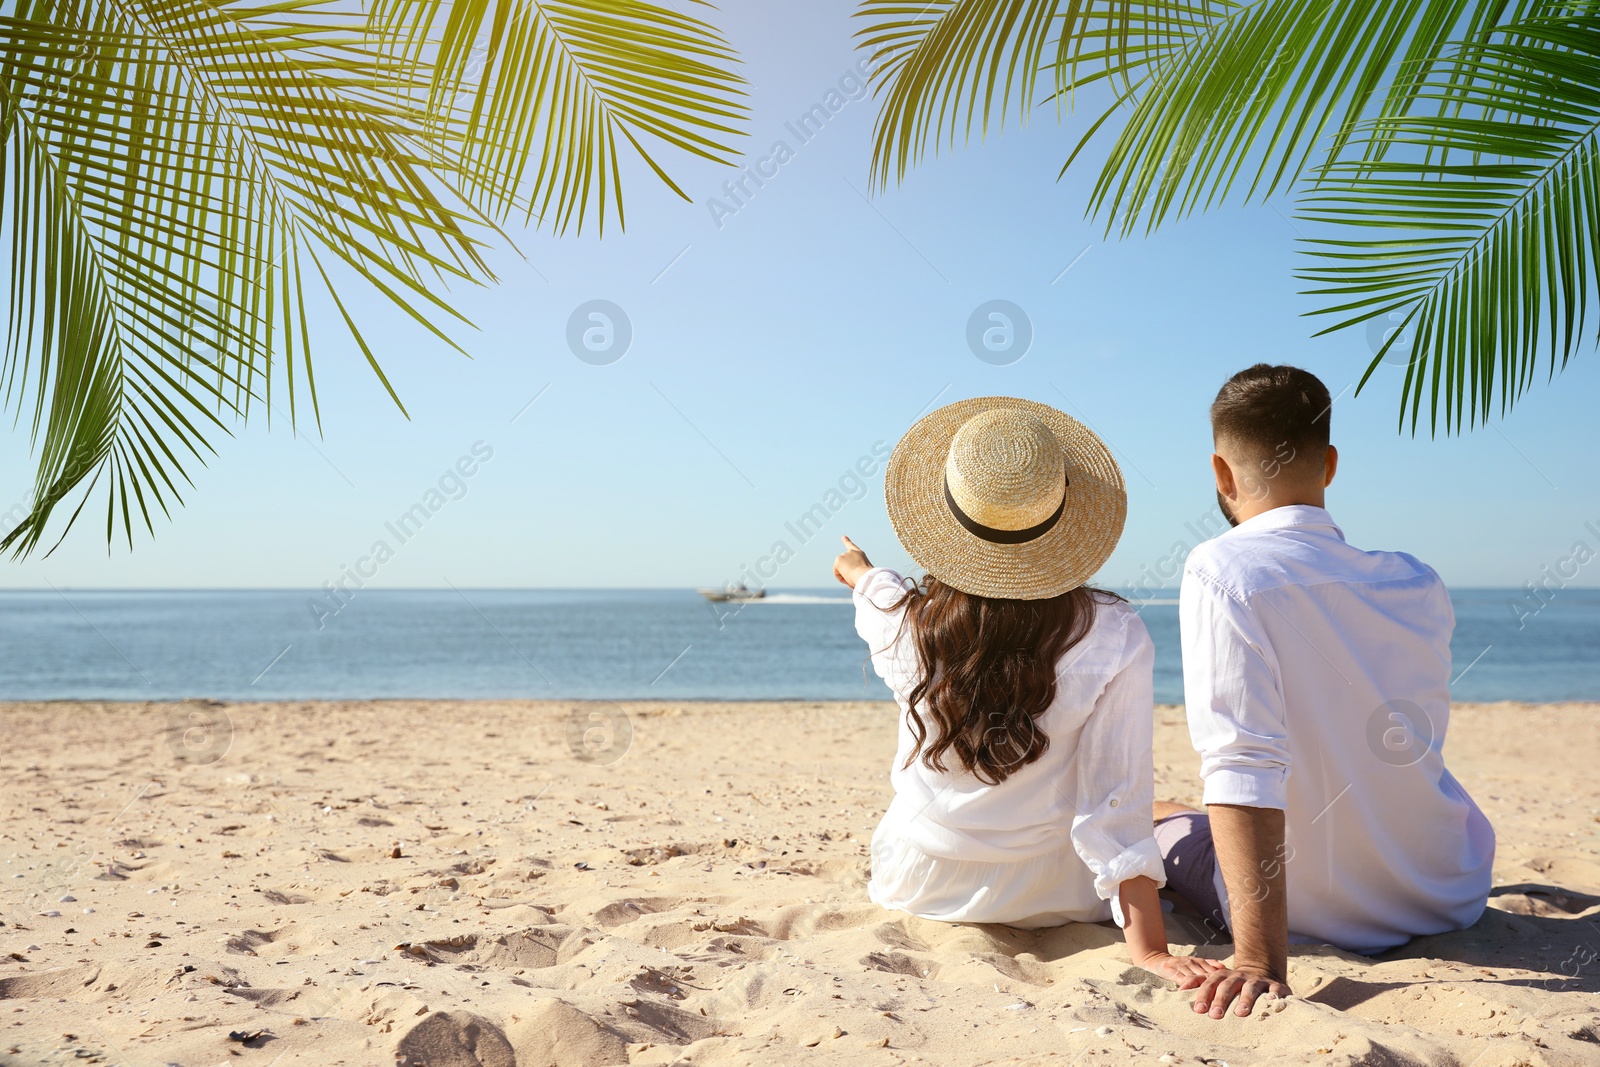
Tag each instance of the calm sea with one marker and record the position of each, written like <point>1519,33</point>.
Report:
<point>611,644</point>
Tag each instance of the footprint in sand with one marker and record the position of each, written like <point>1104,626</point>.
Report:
<point>53,984</point>
<point>895,935</point>
<point>272,896</point>
<point>1542,900</point>
<point>899,963</point>
<point>804,920</point>
<point>625,911</point>
<point>454,1039</point>
<point>250,940</point>
<point>648,1020</point>
<point>553,1033</point>
<point>534,948</point>
<point>674,982</point>
<point>264,998</point>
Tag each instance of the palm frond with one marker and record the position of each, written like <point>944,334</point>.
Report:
<point>1487,214</point>
<point>1206,93</point>
<point>186,179</point>
<point>166,166</point>
<point>560,86</point>
<point>1262,93</point>
<point>942,65</point>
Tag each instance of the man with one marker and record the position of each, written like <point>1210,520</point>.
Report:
<point>1317,682</point>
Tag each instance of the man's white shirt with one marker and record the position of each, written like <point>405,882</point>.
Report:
<point>1317,681</point>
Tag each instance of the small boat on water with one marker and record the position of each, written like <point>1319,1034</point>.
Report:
<point>732,591</point>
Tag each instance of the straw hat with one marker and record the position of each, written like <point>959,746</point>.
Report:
<point>1003,497</point>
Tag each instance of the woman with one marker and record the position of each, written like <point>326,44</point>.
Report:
<point>1023,777</point>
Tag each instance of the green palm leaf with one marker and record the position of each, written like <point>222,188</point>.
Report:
<point>940,66</point>
<point>185,179</point>
<point>1487,216</point>
<point>167,168</point>
<point>1206,92</point>
<point>1471,166</point>
<point>1258,94</point>
<point>565,83</point>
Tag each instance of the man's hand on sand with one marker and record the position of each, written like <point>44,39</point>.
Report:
<point>1220,988</point>
<point>851,564</point>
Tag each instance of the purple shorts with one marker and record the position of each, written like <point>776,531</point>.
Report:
<point>1191,862</point>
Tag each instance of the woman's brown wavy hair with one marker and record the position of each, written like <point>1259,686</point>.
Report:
<point>988,671</point>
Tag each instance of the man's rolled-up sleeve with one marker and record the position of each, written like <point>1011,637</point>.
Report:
<point>1233,696</point>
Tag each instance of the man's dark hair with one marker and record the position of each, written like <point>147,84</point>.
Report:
<point>1273,410</point>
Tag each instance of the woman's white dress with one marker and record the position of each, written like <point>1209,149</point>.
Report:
<point>1051,843</point>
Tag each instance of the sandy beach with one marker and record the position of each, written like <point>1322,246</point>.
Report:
<point>449,884</point>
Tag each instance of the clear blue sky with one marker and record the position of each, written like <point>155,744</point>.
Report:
<point>769,354</point>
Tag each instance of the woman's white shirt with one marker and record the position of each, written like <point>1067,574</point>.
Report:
<point>951,847</point>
